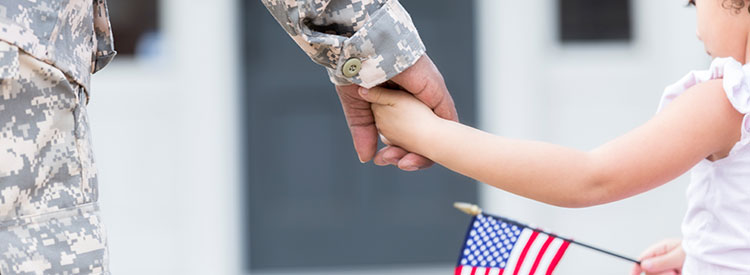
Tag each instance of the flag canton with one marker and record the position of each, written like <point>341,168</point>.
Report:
<point>489,242</point>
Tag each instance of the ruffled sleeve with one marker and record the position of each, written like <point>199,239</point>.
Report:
<point>736,83</point>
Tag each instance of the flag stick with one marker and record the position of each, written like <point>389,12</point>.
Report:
<point>473,209</point>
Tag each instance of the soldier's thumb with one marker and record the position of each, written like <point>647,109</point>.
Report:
<point>378,95</point>
<point>670,261</point>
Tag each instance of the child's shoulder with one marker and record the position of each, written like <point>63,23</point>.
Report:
<point>715,101</point>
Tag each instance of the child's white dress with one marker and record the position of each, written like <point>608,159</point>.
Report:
<point>716,228</point>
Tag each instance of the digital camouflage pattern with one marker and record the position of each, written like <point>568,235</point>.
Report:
<point>73,35</point>
<point>378,32</point>
<point>49,216</point>
<point>49,221</point>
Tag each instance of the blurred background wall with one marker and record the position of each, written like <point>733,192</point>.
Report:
<point>167,125</point>
<point>197,122</point>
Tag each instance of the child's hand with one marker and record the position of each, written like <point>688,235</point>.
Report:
<point>400,117</point>
<point>664,257</point>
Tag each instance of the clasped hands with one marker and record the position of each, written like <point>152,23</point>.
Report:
<point>424,97</point>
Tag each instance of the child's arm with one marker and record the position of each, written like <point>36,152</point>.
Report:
<point>698,124</point>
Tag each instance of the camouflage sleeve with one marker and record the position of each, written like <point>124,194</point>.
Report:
<point>105,46</point>
<point>376,39</point>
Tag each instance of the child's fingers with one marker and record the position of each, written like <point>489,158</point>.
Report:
<point>660,248</point>
<point>381,96</point>
<point>664,263</point>
<point>664,257</point>
<point>636,270</point>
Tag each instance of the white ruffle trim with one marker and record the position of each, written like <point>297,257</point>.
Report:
<point>736,83</point>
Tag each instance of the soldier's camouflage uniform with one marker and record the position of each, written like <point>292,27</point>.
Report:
<point>49,217</point>
<point>379,33</point>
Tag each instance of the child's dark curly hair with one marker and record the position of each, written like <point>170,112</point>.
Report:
<point>737,5</point>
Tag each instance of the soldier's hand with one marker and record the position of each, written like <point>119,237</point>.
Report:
<point>360,120</point>
<point>421,79</point>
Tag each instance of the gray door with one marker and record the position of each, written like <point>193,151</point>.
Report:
<point>308,200</point>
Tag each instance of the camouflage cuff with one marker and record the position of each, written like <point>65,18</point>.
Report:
<point>386,45</point>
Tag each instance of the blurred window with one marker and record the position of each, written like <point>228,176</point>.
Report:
<point>594,20</point>
<point>135,27</point>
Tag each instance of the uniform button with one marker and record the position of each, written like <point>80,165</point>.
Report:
<point>351,67</point>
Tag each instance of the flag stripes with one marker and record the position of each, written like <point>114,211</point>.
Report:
<point>494,246</point>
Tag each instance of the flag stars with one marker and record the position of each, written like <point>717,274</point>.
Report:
<point>489,243</point>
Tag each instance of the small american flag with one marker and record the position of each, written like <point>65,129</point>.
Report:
<point>496,246</point>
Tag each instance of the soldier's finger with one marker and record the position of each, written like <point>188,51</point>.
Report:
<point>424,80</point>
<point>390,155</point>
<point>413,162</point>
<point>379,160</point>
<point>360,120</point>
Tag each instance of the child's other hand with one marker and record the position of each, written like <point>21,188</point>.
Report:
<point>400,117</point>
<point>664,257</point>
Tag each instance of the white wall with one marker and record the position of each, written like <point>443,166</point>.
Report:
<point>582,95</point>
<point>165,135</point>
